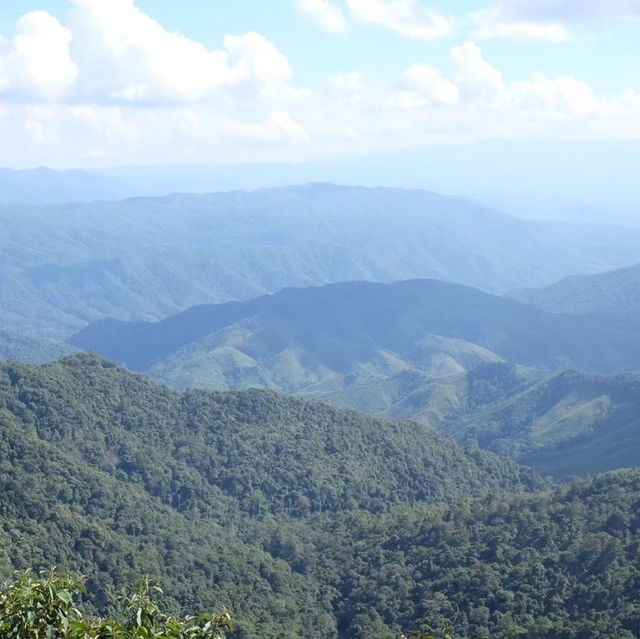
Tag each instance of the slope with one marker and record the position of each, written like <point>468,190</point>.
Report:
<point>104,472</point>
<point>555,565</point>
<point>30,349</point>
<point>190,448</point>
<point>569,423</point>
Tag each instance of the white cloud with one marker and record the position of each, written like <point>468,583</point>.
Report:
<point>325,13</point>
<point>111,54</point>
<point>476,78</point>
<point>113,86</point>
<point>349,82</point>
<point>406,17</point>
<point>561,94</point>
<point>430,83</point>
<point>492,23</point>
<point>36,63</point>
<point>126,56</point>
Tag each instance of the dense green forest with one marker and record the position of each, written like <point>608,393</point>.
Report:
<point>301,519</point>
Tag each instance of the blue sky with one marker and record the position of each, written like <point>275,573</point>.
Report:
<point>103,82</point>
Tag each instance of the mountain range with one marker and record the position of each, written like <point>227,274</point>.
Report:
<point>309,518</point>
<point>475,366</point>
<point>68,265</point>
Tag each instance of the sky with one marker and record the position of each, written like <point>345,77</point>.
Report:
<point>99,83</point>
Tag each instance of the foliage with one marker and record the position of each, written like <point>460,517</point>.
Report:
<point>44,608</point>
<point>107,474</point>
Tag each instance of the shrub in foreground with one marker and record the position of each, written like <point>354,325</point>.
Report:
<point>44,607</point>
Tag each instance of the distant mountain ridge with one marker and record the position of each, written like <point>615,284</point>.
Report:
<point>613,294</point>
<point>338,327</point>
<point>65,266</point>
<point>566,423</point>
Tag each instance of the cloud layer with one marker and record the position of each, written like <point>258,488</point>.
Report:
<point>112,86</point>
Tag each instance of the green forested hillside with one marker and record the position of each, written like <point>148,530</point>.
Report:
<point>304,520</point>
<point>188,448</point>
<point>67,265</point>
<point>107,473</point>
<point>562,564</point>
<point>422,350</point>
<point>567,423</point>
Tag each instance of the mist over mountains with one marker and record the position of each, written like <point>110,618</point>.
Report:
<point>68,265</point>
<point>592,181</point>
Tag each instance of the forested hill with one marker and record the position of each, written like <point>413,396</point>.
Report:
<point>319,340</point>
<point>304,520</point>
<point>562,564</point>
<point>107,473</point>
<point>567,423</point>
<point>269,452</point>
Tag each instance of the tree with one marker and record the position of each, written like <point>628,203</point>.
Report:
<point>43,608</point>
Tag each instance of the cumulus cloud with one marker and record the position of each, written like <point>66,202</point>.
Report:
<point>36,63</point>
<point>562,94</point>
<point>476,77</point>
<point>125,55</point>
<point>469,100</point>
<point>113,86</point>
<point>406,17</point>
<point>429,83</point>
<point>325,13</point>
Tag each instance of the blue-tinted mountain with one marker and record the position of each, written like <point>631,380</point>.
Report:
<point>68,265</point>
<point>307,336</point>
<point>613,294</point>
